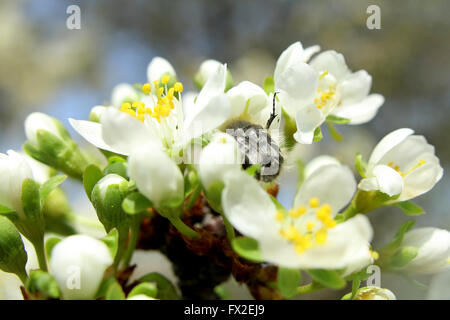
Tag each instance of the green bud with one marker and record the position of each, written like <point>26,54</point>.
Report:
<point>50,143</point>
<point>42,285</point>
<point>147,288</point>
<point>96,111</point>
<point>13,256</point>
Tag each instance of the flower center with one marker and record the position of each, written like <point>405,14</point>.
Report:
<point>162,98</point>
<point>396,167</point>
<point>306,233</point>
<point>326,93</point>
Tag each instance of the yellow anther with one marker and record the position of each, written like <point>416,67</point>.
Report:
<point>165,79</point>
<point>140,117</point>
<point>178,87</point>
<point>295,213</point>
<point>279,216</point>
<point>310,226</point>
<point>170,93</point>
<point>314,202</point>
<point>125,106</point>
<point>374,255</point>
<point>147,88</point>
<point>160,92</point>
<point>156,83</point>
<point>323,74</point>
<point>321,236</point>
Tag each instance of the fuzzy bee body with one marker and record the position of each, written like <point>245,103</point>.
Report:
<point>257,147</point>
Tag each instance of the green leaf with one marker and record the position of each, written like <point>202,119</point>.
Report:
<point>112,241</point>
<point>49,186</point>
<point>13,256</point>
<point>253,170</point>
<point>166,290</point>
<point>328,278</point>
<point>247,248</point>
<point>214,195</point>
<point>50,244</point>
<point>120,168</point>
<point>103,288</point>
<point>410,208</point>
<point>115,292</point>
<point>288,281</point>
<point>146,288</point>
<point>318,134</point>
<point>360,165</point>
<point>398,238</point>
<point>334,133</point>
<point>91,176</point>
<point>337,120</point>
<point>31,205</point>
<point>135,203</point>
<point>4,209</point>
<point>42,284</point>
<point>269,85</point>
<point>403,256</point>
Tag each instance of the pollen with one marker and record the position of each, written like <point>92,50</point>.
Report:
<point>295,213</point>
<point>314,202</point>
<point>310,225</point>
<point>321,236</point>
<point>178,87</point>
<point>165,79</point>
<point>147,88</point>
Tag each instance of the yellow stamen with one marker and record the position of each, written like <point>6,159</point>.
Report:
<point>165,79</point>
<point>310,226</point>
<point>279,216</point>
<point>147,88</point>
<point>295,213</point>
<point>314,202</point>
<point>321,236</point>
<point>178,87</point>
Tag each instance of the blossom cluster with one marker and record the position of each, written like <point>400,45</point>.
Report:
<point>164,151</point>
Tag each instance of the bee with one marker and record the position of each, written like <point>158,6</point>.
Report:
<point>257,147</point>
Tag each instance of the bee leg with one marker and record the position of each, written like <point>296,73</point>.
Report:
<point>273,115</point>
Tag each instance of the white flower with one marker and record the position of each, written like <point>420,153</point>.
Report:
<point>402,164</point>
<point>325,86</point>
<point>306,236</point>
<point>41,172</point>
<point>159,67</point>
<point>157,176</point>
<point>37,121</point>
<point>14,169</point>
<point>207,69</point>
<point>109,180</point>
<point>374,293</point>
<point>159,119</point>
<point>78,263</point>
<point>433,250</point>
<point>122,93</point>
<point>219,157</point>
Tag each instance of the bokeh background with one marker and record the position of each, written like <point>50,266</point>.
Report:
<point>46,67</point>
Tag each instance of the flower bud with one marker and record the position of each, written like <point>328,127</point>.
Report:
<point>433,250</point>
<point>160,67</point>
<point>206,70</point>
<point>107,197</point>
<point>50,143</point>
<point>78,263</point>
<point>13,256</point>
<point>122,93</point>
<point>96,112</point>
<point>373,293</point>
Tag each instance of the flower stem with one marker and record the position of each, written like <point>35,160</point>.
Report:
<point>183,228</point>
<point>134,237</point>
<point>308,288</point>
<point>40,253</point>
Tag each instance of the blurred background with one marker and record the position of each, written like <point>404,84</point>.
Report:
<point>46,67</point>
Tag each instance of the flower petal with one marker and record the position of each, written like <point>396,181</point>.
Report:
<point>360,112</point>
<point>158,67</point>
<point>246,96</point>
<point>124,133</point>
<point>318,163</point>
<point>387,181</point>
<point>214,86</point>
<point>289,57</point>
<point>307,119</point>
<point>332,184</point>
<point>332,62</point>
<point>355,87</point>
<point>248,206</point>
<point>122,93</point>
<point>387,143</point>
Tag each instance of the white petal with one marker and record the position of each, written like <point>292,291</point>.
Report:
<point>212,88</point>
<point>434,250</point>
<point>156,175</point>
<point>5,173</point>
<point>360,112</point>
<point>332,62</point>
<point>289,57</point>
<point>124,133</point>
<point>297,87</point>
<point>309,52</point>
<point>20,170</point>
<point>246,96</point>
<point>220,156</point>
<point>81,260</point>
<point>387,143</point>
<point>209,117</point>
<point>355,87</point>
<point>92,132</point>
<point>332,184</point>
<point>122,93</point>
<point>307,119</point>
<point>318,163</point>
<point>207,69</point>
<point>39,121</point>
<point>346,243</point>
<point>387,180</point>
<point>421,180</point>
<point>248,206</point>
<point>158,67</point>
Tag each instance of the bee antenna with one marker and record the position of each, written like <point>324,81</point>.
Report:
<point>273,115</point>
